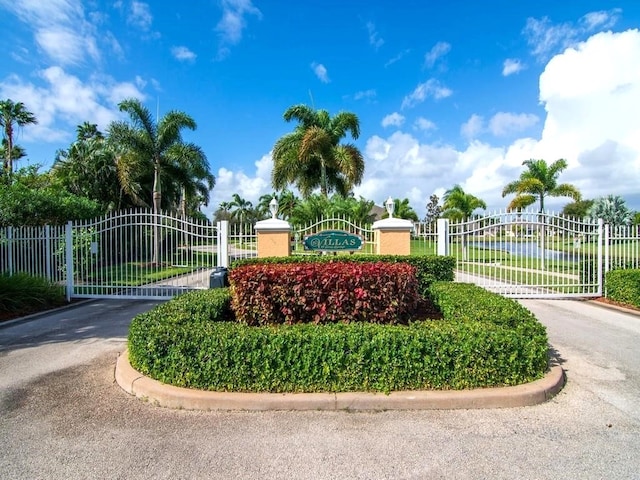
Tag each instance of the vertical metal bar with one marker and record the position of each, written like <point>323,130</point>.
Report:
<point>68,254</point>
<point>223,244</point>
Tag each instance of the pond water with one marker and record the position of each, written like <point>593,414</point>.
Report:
<point>524,249</point>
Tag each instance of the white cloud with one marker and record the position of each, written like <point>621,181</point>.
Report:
<point>424,124</point>
<point>183,54</point>
<point>365,94</point>
<point>439,50</point>
<point>430,88</point>
<point>472,127</point>
<point>60,29</point>
<point>140,15</point>
<point>511,66</point>
<point>233,22</point>
<point>397,58</point>
<point>393,119</point>
<point>250,187</point>
<point>504,123</point>
<point>547,39</point>
<point>63,101</point>
<point>321,72</point>
<point>374,37</point>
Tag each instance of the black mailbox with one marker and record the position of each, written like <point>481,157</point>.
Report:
<point>218,278</point>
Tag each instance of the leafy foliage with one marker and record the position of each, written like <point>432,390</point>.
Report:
<point>31,200</point>
<point>23,294</point>
<point>428,268</point>
<point>612,209</point>
<point>312,156</point>
<point>460,205</point>
<point>538,181</point>
<point>345,292</point>
<point>624,286</point>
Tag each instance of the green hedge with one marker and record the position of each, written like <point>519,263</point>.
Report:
<point>624,286</point>
<point>429,269</point>
<point>489,341</point>
<point>23,294</point>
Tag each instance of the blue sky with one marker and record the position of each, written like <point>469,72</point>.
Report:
<point>457,92</point>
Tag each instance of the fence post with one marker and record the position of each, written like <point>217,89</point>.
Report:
<point>601,229</point>
<point>273,238</point>
<point>10,250</point>
<point>68,253</point>
<point>443,236</point>
<point>47,251</point>
<point>223,244</point>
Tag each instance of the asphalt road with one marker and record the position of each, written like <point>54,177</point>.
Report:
<point>62,416</point>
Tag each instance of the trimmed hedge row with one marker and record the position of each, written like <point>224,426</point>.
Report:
<point>482,343</point>
<point>623,286</point>
<point>345,292</point>
<point>429,269</point>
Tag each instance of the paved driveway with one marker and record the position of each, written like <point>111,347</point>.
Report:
<point>62,416</point>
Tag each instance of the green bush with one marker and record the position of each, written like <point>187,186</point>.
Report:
<point>429,269</point>
<point>493,342</point>
<point>308,292</point>
<point>23,294</point>
<point>624,286</point>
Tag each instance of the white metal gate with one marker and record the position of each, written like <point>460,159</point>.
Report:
<point>139,254</point>
<point>528,254</point>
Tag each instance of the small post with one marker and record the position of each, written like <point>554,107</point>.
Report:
<point>273,235</point>
<point>443,236</point>
<point>69,258</point>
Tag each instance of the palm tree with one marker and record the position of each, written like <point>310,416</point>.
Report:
<point>457,204</point>
<point>12,114</point>
<point>189,170</point>
<point>312,157</point>
<point>612,209</point>
<point>88,168</point>
<point>145,146</point>
<point>539,181</point>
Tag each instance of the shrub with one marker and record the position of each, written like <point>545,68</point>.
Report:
<point>479,349</point>
<point>624,286</point>
<point>22,294</point>
<point>429,269</point>
<point>324,293</point>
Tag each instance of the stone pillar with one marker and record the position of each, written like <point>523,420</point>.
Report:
<point>393,236</point>
<point>274,238</point>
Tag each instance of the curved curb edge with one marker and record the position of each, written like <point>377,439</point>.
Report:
<point>169,396</point>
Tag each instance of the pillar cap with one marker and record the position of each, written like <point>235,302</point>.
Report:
<point>273,225</point>
<point>393,224</point>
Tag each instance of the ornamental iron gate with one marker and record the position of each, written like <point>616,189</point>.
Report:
<point>527,254</point>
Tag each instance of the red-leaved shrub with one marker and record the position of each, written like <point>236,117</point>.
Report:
<point>341,291</point>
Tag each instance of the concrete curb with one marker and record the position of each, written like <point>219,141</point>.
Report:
<point>44,313</point>
<point>169,396</point>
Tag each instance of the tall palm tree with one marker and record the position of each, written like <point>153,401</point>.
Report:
<point>11,115</point>
<point>312,156</point>
<point>457,204</point>
<point>538,181</point>
<point>189,170</point>
<point>144,145</point>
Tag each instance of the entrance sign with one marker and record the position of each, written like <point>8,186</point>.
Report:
<point>333,241</point>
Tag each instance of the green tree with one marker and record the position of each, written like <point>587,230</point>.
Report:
<point>612,209</point>
<point>537,182</point>
<point>189,169</point>
<point>577,209</point>
<point>88,168</point>
<point>312,156</point>
<point>402,209</point>
<point>241,210</point>
<point>12,115</point>
<point>149,152</point>
<point>459,205</point>
<point>434,210</point>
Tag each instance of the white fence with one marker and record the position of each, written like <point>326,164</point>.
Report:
<point>141,254</point>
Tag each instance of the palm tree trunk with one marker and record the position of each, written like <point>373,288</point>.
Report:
<point>157,200</point>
